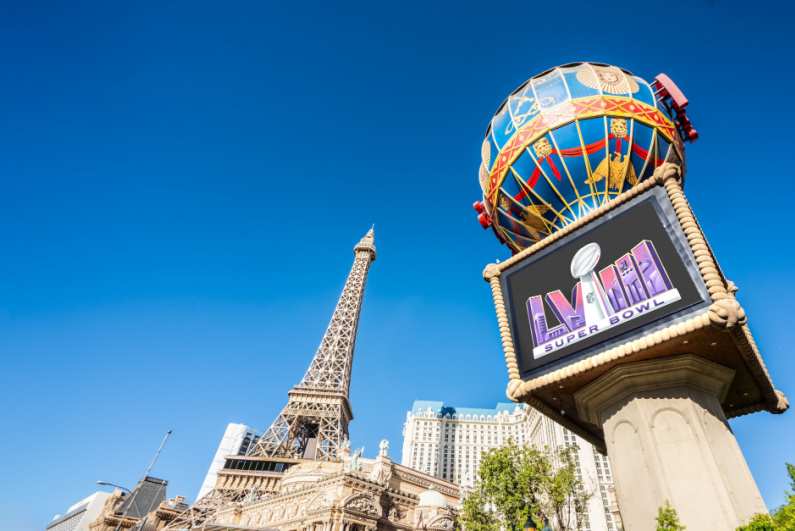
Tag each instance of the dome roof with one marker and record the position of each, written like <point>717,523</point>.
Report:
<point>571,139</point>
<point>432,498</point>
<point>308,472</point>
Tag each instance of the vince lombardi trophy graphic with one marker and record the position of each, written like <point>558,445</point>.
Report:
<point>594,296</point>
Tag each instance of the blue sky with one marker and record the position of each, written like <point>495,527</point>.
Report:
<point>182,183</point>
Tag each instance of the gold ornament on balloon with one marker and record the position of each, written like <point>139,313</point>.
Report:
<point>607,79</point>
<point>531,218</point>
<point>616,171</point>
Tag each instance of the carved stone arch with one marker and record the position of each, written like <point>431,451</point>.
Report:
<point>443,521</point>
<point>689,451</point>
<point>669,408</point>
<point>362,502</point>
<point>615,428</point>
<point>318,502</point>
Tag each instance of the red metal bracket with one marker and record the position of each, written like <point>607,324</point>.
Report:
<point>672,97</point>
<point>483,217</point>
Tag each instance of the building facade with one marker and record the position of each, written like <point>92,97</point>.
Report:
<point>237,440</point>
<point>450,442</point>
<point>145,508</point>
<point>351,493</point>
<point>79,515</point>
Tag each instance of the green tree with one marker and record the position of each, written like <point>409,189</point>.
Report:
<point>475,516</point>
<point>760,522</point>
<point>784,516</point>
<point>517,482</point>
<point>667,519</point>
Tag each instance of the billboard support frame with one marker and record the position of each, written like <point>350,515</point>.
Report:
<point>723,319</point>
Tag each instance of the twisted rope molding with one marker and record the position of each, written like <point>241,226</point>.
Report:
<point>492,272</point>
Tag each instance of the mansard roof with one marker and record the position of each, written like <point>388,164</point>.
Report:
<point>421,406</point>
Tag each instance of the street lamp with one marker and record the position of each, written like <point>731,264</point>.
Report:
<point>132,494</point>
<point>123,516</point>
<point>112,485</point>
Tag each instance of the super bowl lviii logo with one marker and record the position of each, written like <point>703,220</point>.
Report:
<point>633,286</point>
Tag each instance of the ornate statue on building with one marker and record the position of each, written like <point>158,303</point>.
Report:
<point>354,463</point>
<point>252,494</point>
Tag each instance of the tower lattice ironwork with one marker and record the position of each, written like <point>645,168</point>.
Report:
<point>315,420</point>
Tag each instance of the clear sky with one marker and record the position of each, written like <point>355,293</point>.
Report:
<point>182,184</point>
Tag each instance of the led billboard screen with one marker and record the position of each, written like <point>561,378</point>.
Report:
<point>612,280</point>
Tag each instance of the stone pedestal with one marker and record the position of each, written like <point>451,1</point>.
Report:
<point>667,438</point>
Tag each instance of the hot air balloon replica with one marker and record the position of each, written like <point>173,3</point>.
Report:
<point>615,318</point>
<point>569,140</point>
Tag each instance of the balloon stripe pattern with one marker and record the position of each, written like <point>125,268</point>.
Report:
<point>566,142</point>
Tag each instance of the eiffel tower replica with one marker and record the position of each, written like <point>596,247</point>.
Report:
<point>314,423</point>
<point>315,420</point>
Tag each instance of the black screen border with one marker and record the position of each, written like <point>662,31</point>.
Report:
<point>659,199</point>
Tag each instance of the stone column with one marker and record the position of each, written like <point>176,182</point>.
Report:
<point>667,438</point>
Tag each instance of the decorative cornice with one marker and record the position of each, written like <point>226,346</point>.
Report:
<point>403,473</point>
<point>624,380</point>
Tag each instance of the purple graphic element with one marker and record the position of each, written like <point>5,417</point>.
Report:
<point>635,277</point>
<point>630,277</point>
<point>616,293</point>
<point>538,322</point>
<point>573,318</point>
<point>652,271</point>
